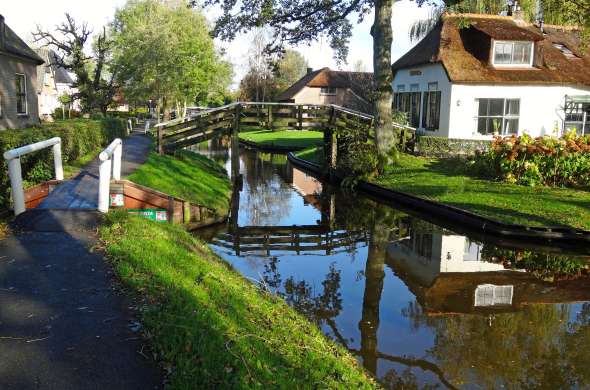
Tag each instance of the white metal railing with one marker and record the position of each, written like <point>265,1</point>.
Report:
<point>110,161</point>
<point>147,126</point>
<point>15,173</point>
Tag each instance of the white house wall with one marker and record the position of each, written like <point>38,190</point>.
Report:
<point>429,74</point>
<point>541,107</point>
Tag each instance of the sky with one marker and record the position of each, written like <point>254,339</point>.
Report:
<point>23,15</point>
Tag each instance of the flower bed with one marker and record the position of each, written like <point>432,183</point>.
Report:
<point>549,161</point>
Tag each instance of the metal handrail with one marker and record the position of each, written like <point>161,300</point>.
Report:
<point>12,158</point>
<point>109,158</point>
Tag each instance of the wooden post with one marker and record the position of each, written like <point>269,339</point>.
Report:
<point>300,117</point>
<point>235,146</point>
<point>270,117</point>
<point>330,146</point>
<point>160,141</point>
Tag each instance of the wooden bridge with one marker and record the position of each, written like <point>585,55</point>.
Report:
<point>231,118</point>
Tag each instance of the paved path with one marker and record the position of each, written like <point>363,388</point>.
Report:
<point>82,191</point>
<point>63,322</point>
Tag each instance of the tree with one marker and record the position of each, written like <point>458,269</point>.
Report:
<point>65,100</point>
<point>163,51</point>
<point>95,79</point>
<point>291,67</point>
<point>303,21</point>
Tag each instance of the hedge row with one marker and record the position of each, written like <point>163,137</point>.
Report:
<point>79,137</point>
<point>447,147</point>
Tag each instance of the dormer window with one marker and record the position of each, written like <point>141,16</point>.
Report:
<point>565,51</point>
<point>513,53</point>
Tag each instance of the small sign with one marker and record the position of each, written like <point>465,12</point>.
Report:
<point>151,214</point>
<point>117,200</point>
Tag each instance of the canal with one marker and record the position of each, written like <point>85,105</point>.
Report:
<point>420,305</point>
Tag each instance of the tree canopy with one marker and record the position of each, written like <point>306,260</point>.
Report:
<point>164,52</point>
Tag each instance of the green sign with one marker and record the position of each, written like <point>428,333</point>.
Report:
<point>151,214</point>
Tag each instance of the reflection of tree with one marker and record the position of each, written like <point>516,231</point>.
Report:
<point>529,349</point>
<point>406,380</point>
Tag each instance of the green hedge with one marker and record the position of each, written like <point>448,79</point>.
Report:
<point>447,147</point>
<point>79,137</point>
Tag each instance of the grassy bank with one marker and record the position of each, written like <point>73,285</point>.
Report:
<point>188,176</point>
<point>449,182</point>
<point>212,327</point>
<point>314,154</point>
<point>285,139</point>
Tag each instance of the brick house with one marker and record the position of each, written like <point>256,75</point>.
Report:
<point>326,86</point>
<point>18,81</point>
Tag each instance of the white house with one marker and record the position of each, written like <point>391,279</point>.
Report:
<point>53,82</point>
<point>473,76</point>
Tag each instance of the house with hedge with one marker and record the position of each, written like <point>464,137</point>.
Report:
<point>473,76</point>
<point>18,81</point>
<point>53,81</point>
<point>326,86</point>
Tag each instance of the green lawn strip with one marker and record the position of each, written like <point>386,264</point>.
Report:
<point>186,175</point>
<point>314,154</point>
<point>447,181</point>
<point>72,168</point>
<point>212,327</point>
<point>284,138</point>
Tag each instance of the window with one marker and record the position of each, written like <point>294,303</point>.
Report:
<point>21,94</point>
<point>491,295</point>
<point>401,88</point>
<point>409,103</point>
<point>513,53</point>
<point>577,115</point>
<point>498,116</point>
<point>431,109</point>
<point>565,51</point>
<point>327,91</point>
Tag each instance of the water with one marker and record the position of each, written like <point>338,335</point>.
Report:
<point>420,305</point>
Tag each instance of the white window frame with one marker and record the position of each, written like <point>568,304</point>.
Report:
<point>323,93</point>
<point>17,97</point>
<point>504,116</point>
<point>480,296</point>
<point>401,88</point>
<point>511,65</point>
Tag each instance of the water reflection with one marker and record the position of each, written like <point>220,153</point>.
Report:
<point>420,305</point>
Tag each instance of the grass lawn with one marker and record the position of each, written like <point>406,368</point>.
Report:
<point>188,176</point>
<point>296,139</point>
<point>210,326</point>
<point>447,181</point>
<point>314,154</point>
<point>72,168</point>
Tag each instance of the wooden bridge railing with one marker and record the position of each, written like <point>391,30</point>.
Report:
<point>230,118</point>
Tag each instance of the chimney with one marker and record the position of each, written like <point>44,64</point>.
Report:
<point>2,34</point>
<point>539,15</point>
<point>309,70</point>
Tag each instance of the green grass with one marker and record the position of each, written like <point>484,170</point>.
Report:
<point>210,326</point>
<point>188,176</point>
<point>447,181</point>
<point>314,154</point>
<point>72,168</point>
<point>296,139</point>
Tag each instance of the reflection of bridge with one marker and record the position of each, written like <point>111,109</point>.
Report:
<point>298,239</point>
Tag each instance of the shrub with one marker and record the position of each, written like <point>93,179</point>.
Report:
<point>543,160</point>
<point>447,147</point>
<point>79,137</point>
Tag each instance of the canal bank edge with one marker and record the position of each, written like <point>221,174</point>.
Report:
<point>455,215</point>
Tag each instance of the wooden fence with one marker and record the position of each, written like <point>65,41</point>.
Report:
<point>229,119</point>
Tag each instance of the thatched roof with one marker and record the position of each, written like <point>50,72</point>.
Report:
<point>465,52</point>
<point>359,82</point>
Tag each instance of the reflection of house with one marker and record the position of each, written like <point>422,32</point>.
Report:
<point>496,75</point>
<point>326,86</point>
<point>307,186</point>
<point>447,275</point>
<point>53,81</point>
<point>18,81</point>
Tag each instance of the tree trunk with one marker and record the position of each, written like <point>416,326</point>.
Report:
<point>382,40</point>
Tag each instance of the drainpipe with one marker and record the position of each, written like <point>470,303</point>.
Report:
<point>2,34</point>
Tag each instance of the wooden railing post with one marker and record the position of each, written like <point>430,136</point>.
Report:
<point>330,146</point>
<point>270,116</point>
<point>235,146</point>
<point>300,117</point>
<point>160,141</point>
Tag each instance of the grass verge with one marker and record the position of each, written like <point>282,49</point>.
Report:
<point>188,176</point>
<point>314,154</point>
<point>212,327</point>
<point>297,139</point>
<point>447,181</point>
